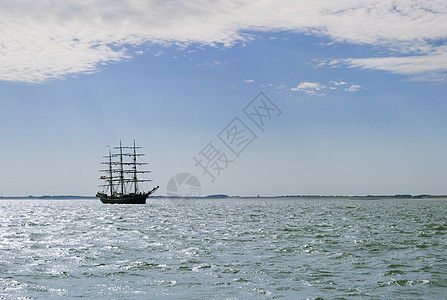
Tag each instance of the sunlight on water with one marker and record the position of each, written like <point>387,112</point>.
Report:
<point>226,248</point>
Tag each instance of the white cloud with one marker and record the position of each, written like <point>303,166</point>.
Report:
<point>314,88</point>
<point>249,81</point>
<point>353,88</point>
<point>309,88</point>
<point>308,85</point>
<point>42,40</point>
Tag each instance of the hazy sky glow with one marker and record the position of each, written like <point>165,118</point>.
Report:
<point>361,86</point>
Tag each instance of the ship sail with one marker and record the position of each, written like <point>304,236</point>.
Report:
<point>123,176</point>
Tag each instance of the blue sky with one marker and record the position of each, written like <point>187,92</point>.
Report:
<point>361,87</point>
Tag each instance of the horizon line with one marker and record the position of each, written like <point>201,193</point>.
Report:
<point>224,196</point>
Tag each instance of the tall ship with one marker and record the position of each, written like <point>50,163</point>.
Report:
<point>124,176</point>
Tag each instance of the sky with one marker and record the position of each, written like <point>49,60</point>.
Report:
<point>350,94</point>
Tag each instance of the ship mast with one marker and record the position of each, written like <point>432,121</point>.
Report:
<point>121,169</point>
<point>110,173</point>
<point>135,167</point>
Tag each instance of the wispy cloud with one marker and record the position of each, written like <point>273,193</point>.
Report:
<point>52,39</point>
<point>249,81</point>
<point>430,62</point>
<point>338,83</point>
<point>353,88</point>
<point>213,63</point>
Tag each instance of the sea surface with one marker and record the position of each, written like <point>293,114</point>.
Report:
<point>224,249</point>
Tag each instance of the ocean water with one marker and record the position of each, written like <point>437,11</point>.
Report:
<point>224,249</point>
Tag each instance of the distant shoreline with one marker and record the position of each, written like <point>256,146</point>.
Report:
<point>223,196</point>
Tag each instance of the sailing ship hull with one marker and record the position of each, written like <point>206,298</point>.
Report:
<point>124,199</point>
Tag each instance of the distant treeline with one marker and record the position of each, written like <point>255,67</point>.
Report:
<point>403,196</point>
